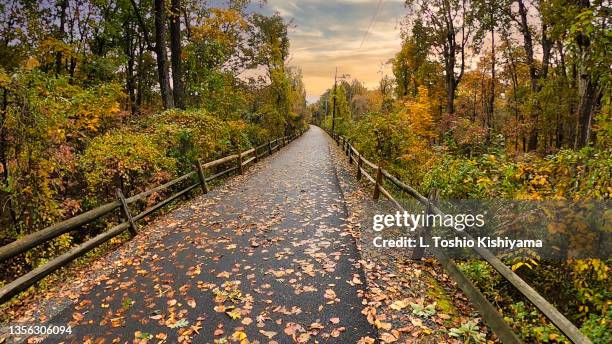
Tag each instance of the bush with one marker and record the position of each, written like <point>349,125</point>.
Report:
<point>189,135</point>
<point>121,159</point>
<point>597,328</point>
<point>567,174</point>
<point>402,140</point>
<point>47,121</point>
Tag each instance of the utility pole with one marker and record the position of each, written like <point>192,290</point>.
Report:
<point>326,113</point>
<point>334,102</point>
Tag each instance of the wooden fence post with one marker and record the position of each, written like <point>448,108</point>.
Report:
<point>256,155</point>
<point>359,162</point>
<point>337,140</point>
<point>417,254</point>
<point>240,167</point>
<point>202,176</point>
<point>378,183</point>
<point>431,201</point>
<point>350,155</point>
<point>269,147</point>
<point>126,213</point>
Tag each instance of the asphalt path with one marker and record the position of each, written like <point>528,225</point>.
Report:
<point>267,258</point>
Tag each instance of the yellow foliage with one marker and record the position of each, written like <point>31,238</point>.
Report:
<point>417,115</point>
<point>31,63</point>
<point>221,26</point>
<point>5,79</point>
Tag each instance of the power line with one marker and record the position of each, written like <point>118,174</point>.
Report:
<point>371,22</point>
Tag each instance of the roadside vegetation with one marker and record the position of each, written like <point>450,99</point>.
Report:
<point>475,113</point>
<point>87,106</point>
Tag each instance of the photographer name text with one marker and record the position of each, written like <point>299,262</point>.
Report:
<point>456,242</point>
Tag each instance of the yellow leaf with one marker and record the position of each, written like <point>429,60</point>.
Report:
<point>234,314</point>
<point>517,265</point>
<point>398,305</point>
<point>239,335</point>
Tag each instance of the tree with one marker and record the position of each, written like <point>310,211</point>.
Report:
<point>529,52</point>
<point>269,36</point>
<point>176,54</point>
<point>160,50</point>
<point>159,14</point>
<point>591,34</point>
<point>343,111</point>
<point>491,17</point>
<point>450,27</point>
<point>410,65</point>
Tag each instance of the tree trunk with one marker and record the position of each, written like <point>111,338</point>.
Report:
<point>175,49</point>
<point>130,84</point>
<point>532,143</point>
<point>559,132</point>
<point>588,100</point>
<point>450,95</point>
<point>3,141</point>
<point>587,89</point>
<point>63,5</point>
<point>547,45</point>
<point>333,128</point>
<point>449,70</point>
<point>160,50</point>
<point>491,104</point>
<point>129,72</point>
<point>140,73</point>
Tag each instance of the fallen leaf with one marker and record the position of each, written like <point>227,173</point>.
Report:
<point>268,334</point>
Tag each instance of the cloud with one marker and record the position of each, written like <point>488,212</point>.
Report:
<point>329,33</point>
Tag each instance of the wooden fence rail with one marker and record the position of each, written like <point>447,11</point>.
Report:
<point>489,313</point>
<point>32,240</point>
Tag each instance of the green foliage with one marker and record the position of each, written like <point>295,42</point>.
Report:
<point>469,332</point>
<point>189,135</point>
<point>597,328</point>
<point>566,175</point>
<point>399,139</point>
<point>120,159</point>
<point>343,112</point>
<point>591,281</point>
<point>46,120</point>
<point>402,140</point>
<point>483,276</point>
<point>531,326</point>
<point>421,310</point>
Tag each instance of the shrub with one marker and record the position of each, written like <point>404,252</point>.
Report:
<point>597,328</point>
<point>46,122</point>
<point>130,161</point>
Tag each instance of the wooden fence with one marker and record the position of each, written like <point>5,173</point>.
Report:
<point>488,312</point>
<point>241,160</point>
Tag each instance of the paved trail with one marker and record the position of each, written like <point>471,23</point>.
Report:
<point>267,258</point>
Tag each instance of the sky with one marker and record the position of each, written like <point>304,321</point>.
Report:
<point>328,33</point>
